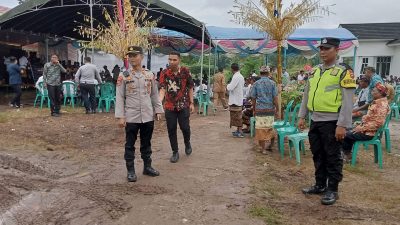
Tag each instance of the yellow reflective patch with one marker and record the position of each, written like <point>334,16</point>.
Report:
<point>348,80</point>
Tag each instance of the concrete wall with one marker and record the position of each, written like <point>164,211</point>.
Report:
<point>372,49</point>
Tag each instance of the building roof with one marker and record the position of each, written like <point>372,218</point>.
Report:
<point>383,31</point>
<point>3,9</point>
<point>61,17</point>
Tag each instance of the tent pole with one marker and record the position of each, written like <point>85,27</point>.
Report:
<point>354,58</point>
<point>46,41</point>
<point>202,56</point>
<point>209,68</point>
<point>149,58</point>
<point>215,58</point>
<point>91,27</point>
<point>266,59</point>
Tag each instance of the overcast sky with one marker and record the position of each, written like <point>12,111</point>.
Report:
<point>215,12</point>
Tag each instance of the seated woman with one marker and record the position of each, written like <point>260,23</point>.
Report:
<point>371,122</point>
<point>265,102</point>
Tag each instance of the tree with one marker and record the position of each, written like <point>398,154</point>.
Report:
<point>275,21</point>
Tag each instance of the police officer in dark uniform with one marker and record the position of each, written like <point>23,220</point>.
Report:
<point>328,96</point>
<point>137,104</point>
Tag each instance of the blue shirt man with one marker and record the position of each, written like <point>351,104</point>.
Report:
<point>264,91</point>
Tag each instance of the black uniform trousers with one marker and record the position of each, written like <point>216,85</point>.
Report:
<point>146,133</point>
<point>327,155</point>
<point>88,93</point>
<point>54,95</point>
<point>174,117</point>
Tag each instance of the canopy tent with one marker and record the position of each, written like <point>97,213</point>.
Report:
<point>60,17</point>
<point>248,41</point>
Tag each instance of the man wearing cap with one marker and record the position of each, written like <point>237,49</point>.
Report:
<point>328,96</point>
<point>370,73</point>
<point>137,103</point>
<point>375,118</point>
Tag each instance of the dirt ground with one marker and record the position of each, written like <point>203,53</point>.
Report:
<point>70,170</point>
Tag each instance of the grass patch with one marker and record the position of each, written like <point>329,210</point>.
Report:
<point>268,215</point>
<point>358,170</point>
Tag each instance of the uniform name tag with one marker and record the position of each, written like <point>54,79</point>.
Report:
<point>334,72</point>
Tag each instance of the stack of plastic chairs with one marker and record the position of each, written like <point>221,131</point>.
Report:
<point>42,94</point>
<point>288,130</point>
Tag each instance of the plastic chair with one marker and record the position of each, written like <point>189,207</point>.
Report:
<point>288,130</point>
<point>252,126</point>
<point>395,107</point>
<point>297,141</point>
<point>43,94</point>
<point>376,142</point>
<point>285,121</point>
<point>70,92</point>
<point>204,103</point>
<point>106,96</point>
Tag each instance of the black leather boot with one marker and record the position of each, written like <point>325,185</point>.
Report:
<point>188,149</point>
<point>150,171</point>
<point>175,157</point>
<point>330,197</point>
<point>314,190</point>
<point>130,166</point>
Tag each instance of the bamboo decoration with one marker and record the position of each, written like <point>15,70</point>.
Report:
<point>128,27</point>
<point>278,23</point>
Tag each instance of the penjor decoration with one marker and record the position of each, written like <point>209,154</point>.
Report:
<point>127,28</point>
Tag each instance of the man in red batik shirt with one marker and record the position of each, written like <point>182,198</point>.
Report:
<point>176,86</point>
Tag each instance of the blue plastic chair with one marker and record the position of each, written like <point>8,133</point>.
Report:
<point>288,130</point>
<point>42,95</point>
<point>376,142</point>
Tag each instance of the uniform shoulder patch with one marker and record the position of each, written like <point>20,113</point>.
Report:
<point>348,80</point>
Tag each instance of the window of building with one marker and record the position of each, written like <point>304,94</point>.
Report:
<point>383,65</point>
<point>363,65</point>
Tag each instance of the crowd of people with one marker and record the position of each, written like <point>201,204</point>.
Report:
<point>142,96</point>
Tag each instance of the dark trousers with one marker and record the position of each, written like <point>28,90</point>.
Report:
<point>146,133</point>
<point>88,93</point>
<point>16,101</point>
<point>54,95</point>
<point>181,117</point>
<point>351,138</point>
<point>326,151</point>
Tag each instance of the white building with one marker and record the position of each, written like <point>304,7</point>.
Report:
<point>379,47</point>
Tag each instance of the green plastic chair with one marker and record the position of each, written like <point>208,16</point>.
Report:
<point>397,89</point>
<point>297,141</point>
<point>285,121</point>
<point>106,96</point>
<point>205,102</point>
<point>44,95</point>
<point>376,142</point>
<point>395,107</point>
<point>288,130</point>
<point>69,94</point>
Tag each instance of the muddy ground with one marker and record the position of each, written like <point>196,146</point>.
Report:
<point>70,170</point>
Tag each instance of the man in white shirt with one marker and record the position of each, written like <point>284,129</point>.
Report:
<point>362,98</point>
<point>300,77</point>
<point>37,84</point>
<point>235,102</point>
